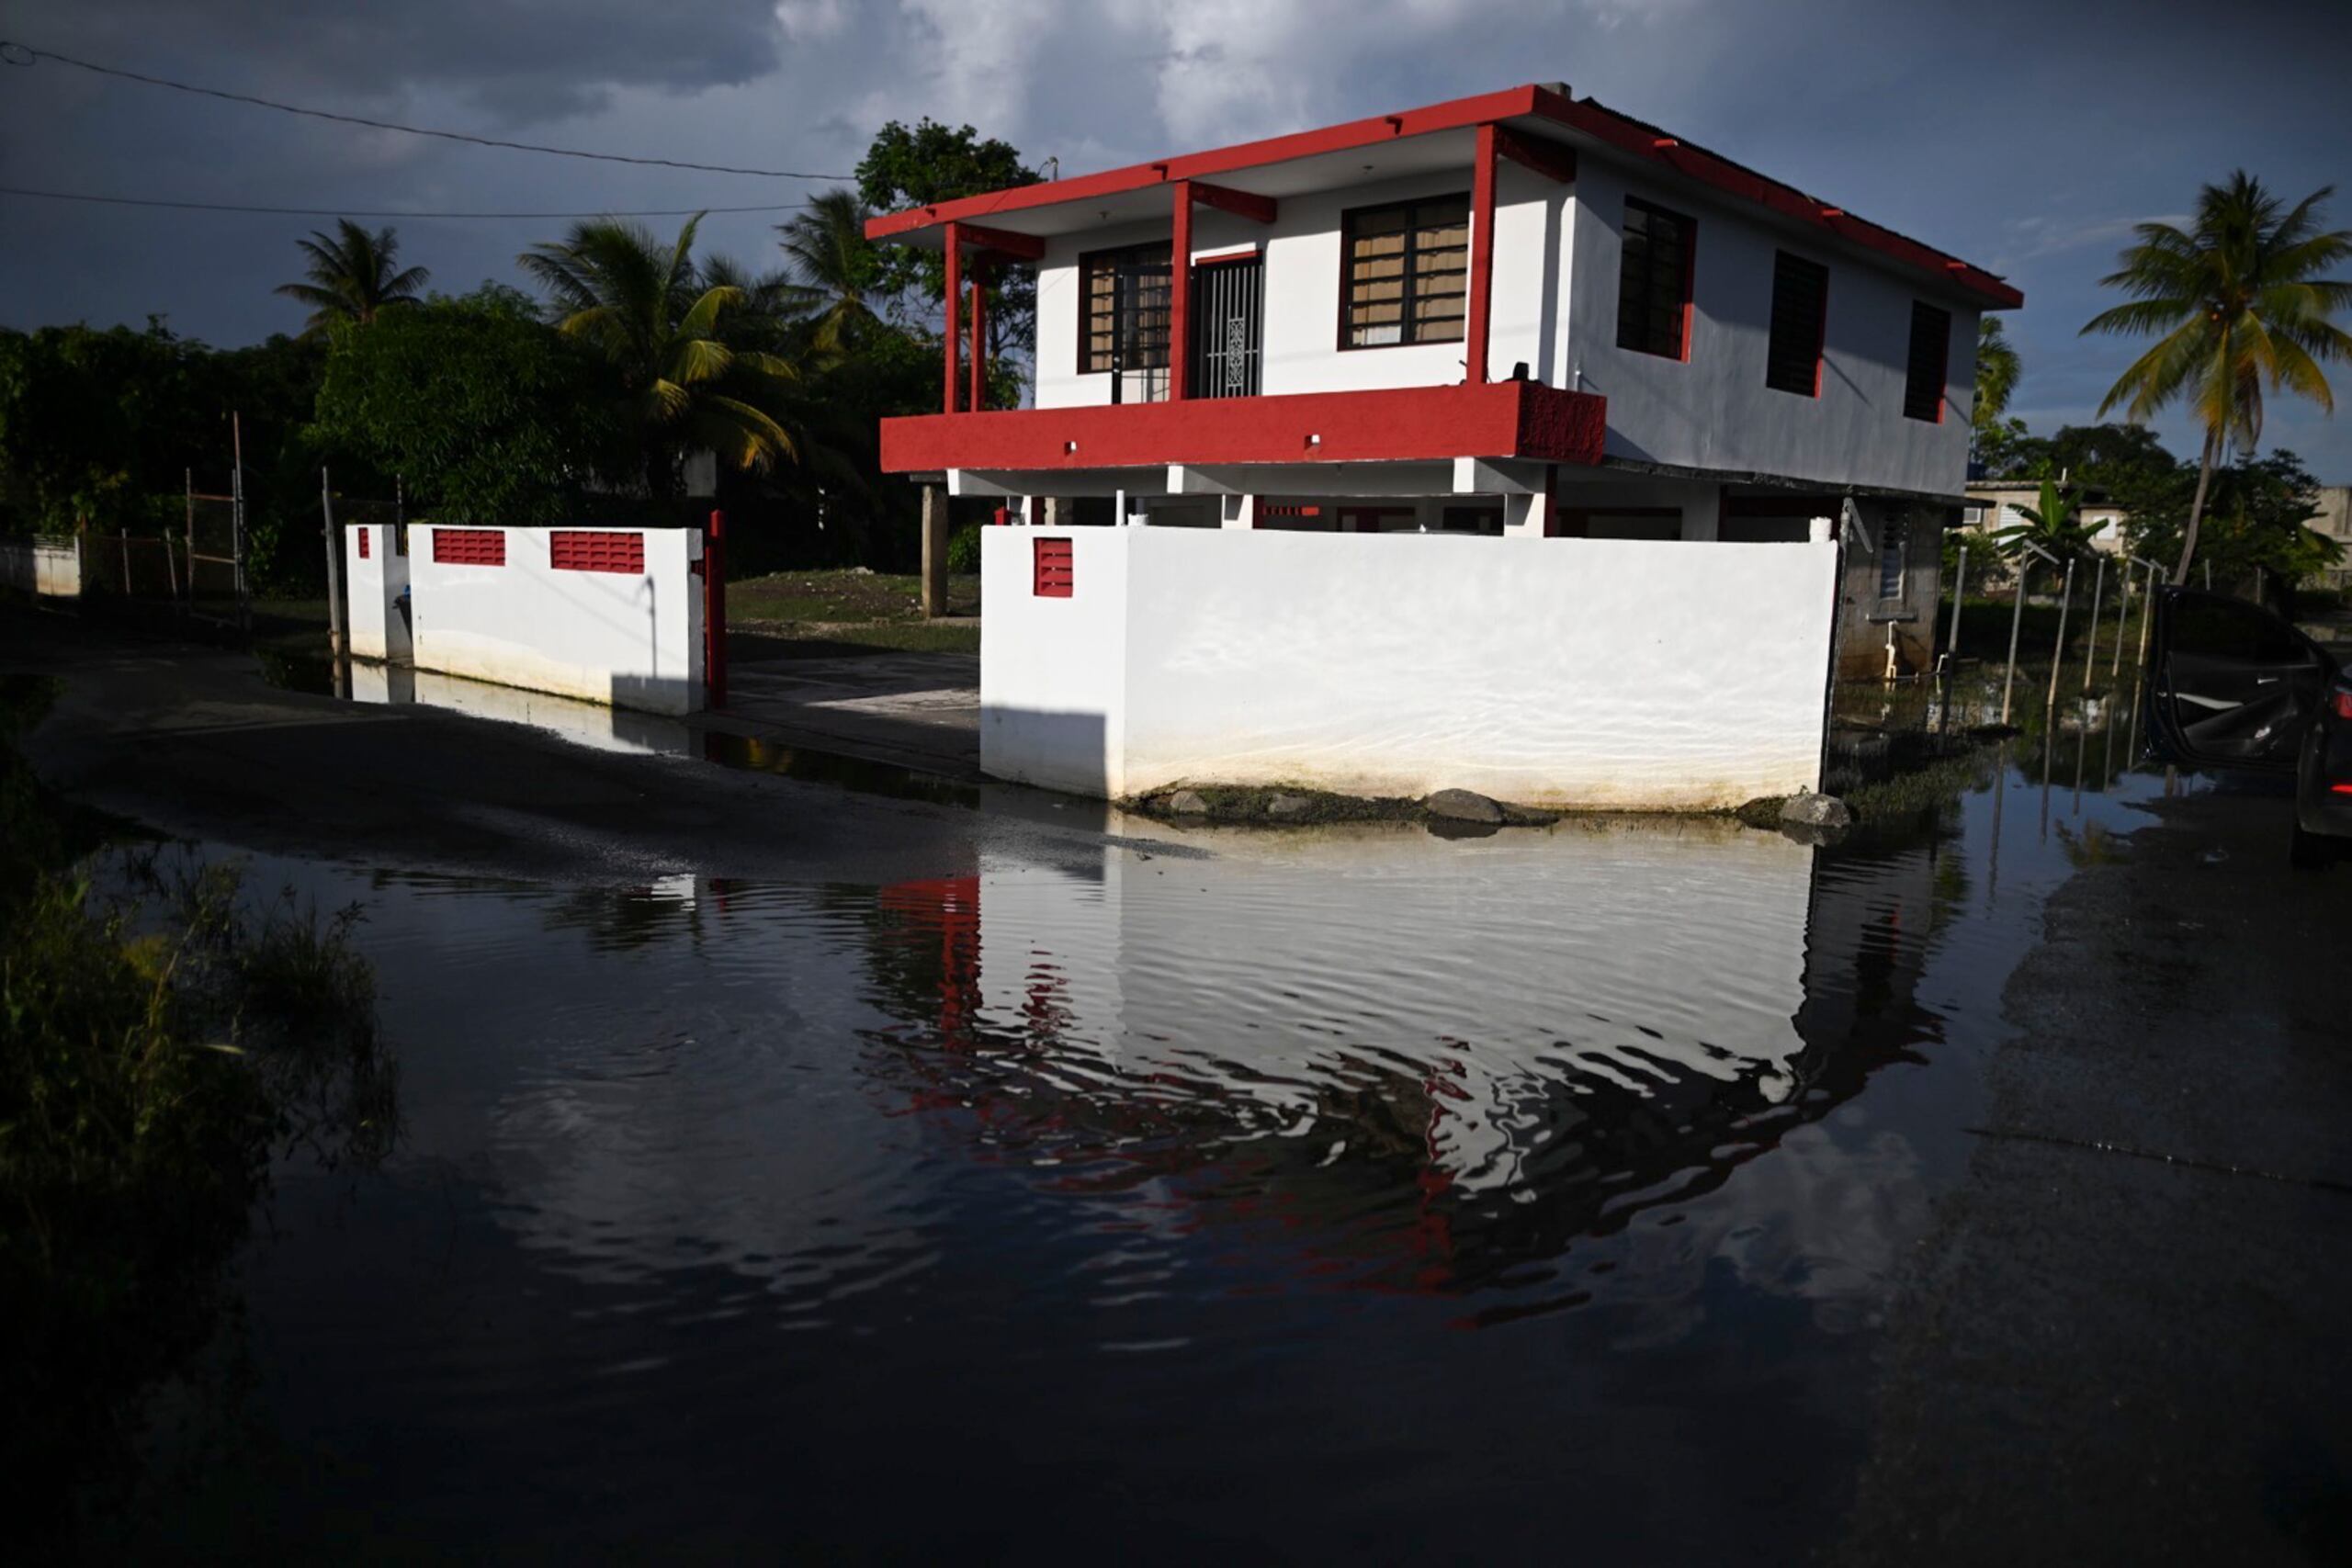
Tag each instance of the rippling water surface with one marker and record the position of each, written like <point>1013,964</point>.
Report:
<point>1325,1192</point>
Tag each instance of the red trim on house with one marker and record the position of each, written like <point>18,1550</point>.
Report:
<point>1004,242</point>
<point>1240,203</point>
<point>1455,115</point>
<point>1626,135</point>
<point>1498,419</point>
<point>979,397</point>
<point>954,301</point>
<point>1180,292</point>
<point>1479,312</point>
<point>1550,160</point>
<point>1690,283</point>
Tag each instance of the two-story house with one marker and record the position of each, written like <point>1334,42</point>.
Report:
<point>1636,406</point>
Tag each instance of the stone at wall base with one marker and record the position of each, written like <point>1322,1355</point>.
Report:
<point>1463,805</point>
<point>1807,809</point>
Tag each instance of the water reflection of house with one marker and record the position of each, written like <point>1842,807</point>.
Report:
<point>1424,1064</point>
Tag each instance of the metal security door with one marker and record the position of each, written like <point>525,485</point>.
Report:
<point>1226,305</point>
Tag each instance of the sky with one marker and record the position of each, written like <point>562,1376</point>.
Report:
<point>2027,136</point>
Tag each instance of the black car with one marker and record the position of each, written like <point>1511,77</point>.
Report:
<point>2231,685</point>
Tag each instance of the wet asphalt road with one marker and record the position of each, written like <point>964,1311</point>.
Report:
<point>2123,1338</point>
<point>192,741</point>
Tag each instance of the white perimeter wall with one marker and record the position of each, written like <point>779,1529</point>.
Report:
<point>630,640</point>
<point>42,564</point>
<point>373,626</point>
<point>1572,672</point>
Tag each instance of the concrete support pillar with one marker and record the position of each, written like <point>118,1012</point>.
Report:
<point>1237,511</point>
<point>1703,508</point>
<point>935,550</point>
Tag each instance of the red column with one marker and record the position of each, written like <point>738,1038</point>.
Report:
<point>1482,256</point>
<point>980,397</point>
<point>1180,293</point>
<point>954,303</point>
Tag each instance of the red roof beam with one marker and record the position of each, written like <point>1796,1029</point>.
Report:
<point>1240,203</point>
<point>1548,159</point>
<point>1457,115</point>
<point>1004,241</point>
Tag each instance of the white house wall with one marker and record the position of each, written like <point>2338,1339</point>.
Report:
<point>1570,672</point>
<point>1301,247</point>
<point>1714,411</point>
<point>1555,309</point>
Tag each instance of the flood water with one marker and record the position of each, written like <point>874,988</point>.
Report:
<point>1332,1191</point>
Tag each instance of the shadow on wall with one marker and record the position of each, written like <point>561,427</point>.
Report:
<point>1053,750</point>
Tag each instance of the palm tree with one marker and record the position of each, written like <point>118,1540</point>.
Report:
<point>351,275</point>
<point>2241,308</point>
<point>2055,525</point>
<point>688,377</point>
<point>832,265</point>
<point>1997,368</point>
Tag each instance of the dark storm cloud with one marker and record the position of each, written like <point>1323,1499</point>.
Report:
<point>2026,135</point>
<point>516,60</point>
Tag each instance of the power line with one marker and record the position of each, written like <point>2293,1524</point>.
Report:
<point>347,212</point>
<point>25,54</point>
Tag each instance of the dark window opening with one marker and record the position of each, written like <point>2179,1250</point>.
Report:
<point>1893,556</point>
<point>1800,318</point>
<point>1654,281</point>
<point>1923,381</point>
<point>1404,273</point>
<point>1124,300</point>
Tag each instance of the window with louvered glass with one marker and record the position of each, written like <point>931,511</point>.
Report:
<point>1125,301</point>
<point>1800,310</point>
<point>1406,273</point>
<point>1930,358</point>
<point>1654,271</point>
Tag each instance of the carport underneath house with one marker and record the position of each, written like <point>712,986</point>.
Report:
<point>1700,359</point>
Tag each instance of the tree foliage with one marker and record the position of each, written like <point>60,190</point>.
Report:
<point>352,275</point>
<point>932,163</point>
<point>685,378</point>
<point>2241,309</point>
<point>484,414</point>
<point>1997,368</point>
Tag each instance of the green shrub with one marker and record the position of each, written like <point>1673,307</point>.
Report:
<point>963,550</point>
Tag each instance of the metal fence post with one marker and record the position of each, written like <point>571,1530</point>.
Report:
<point>2058,649</point>
<point>2122,611</point>
<point>334,564</point>
<point>2016,620</point>
<point>2090,654</point>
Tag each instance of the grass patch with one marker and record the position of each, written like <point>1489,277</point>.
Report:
<point>843,597</point>
<point>163,1036</point>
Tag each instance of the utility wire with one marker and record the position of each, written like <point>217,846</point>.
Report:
<point>346,212</point>
<point>25,54</point>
